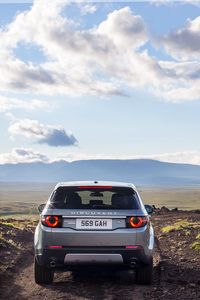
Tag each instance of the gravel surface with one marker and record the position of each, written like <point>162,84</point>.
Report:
<point>176,266</point>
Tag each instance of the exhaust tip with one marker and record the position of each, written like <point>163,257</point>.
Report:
<point>52,264</point>
<point>133,264</point>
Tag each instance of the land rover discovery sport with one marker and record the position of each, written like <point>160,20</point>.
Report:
<point>98,223</point>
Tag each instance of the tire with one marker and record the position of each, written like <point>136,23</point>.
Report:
<point>144,273</point>
<point>43,275</point>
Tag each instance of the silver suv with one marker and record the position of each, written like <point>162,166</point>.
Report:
<point>98,223</point>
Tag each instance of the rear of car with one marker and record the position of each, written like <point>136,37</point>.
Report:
<point>93,223</point>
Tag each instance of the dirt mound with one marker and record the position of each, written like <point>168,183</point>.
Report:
<point>16,239</point>
<point>177,233</point>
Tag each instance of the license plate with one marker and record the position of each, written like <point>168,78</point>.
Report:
<point>94,224</point>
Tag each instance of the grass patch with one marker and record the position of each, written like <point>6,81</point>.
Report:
<point>198,236</point>
<point>186,227</point>
<point>18,224</point>
<point>9,242</point>
<point>9,224</point>
<point>180,225</point>
<point>187,232</point>
<point>20,218</point>
<point>196,246</point>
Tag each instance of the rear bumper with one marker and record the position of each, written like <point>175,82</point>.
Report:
<point>67,257</point>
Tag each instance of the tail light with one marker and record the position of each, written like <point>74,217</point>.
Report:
<point>136,222</point>
<point>52,221</point>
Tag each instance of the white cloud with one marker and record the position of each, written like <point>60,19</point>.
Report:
<point>184,43</point>
<point>103,60</point>
<point>65,71</point>
<point>42,134</point>
<point>8,103</point>
<point>188,157</point>
<point>175,2</point>
<point>87,8</point>
<point>124,29</point>
<point>26,155</point>
<point>186,81</point>
<point>22,155</point>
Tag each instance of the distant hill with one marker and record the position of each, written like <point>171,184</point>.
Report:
<point>138,171</point>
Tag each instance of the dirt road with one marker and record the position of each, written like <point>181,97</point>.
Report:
<point>84,284</point>
<point>176,271</point>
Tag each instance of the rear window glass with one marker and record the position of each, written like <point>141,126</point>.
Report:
<point>94,198</point>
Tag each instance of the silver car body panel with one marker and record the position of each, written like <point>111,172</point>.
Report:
<point>95,258</point>
<point>119,235</point>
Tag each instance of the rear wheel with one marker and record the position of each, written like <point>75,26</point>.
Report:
<point>144,274</point>
<point>43,275</point>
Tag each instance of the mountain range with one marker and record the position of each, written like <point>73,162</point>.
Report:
<point>137,171</point>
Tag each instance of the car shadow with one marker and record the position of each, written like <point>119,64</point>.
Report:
<point>96,283</point>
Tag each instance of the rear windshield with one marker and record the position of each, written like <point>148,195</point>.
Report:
<point>94,198</point>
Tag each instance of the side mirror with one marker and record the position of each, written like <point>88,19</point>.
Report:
<point>41,207</point>
<point>149,209</point>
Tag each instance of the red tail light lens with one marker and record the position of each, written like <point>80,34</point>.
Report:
<point>52,221</point>
<point>137,222</point>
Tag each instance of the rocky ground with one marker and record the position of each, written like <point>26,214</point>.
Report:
<point>176,265</point>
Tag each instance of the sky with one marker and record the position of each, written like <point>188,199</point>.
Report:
<point>95,80</point>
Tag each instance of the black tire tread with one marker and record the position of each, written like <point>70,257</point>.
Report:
<point>43,275</point>
<point>144,273</point>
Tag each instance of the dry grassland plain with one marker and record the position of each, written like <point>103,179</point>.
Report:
<point>24,198</point>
